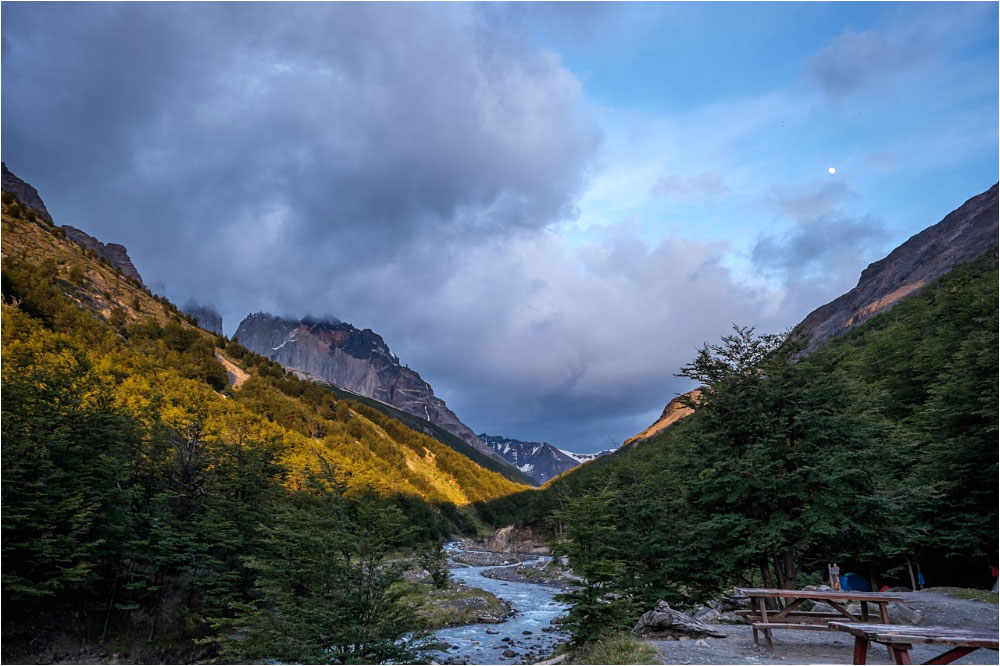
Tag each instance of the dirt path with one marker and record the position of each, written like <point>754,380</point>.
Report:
<point>820,647</point>
<point>236,374</point>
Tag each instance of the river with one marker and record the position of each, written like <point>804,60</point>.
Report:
<point>534,608</point>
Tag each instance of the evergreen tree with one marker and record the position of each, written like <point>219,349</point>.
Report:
<point>601,604</point>
<point>326,590</point>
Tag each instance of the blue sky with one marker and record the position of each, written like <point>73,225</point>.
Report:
<point>543,208</point>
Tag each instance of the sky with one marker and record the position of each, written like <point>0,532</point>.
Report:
<point>544,209</point>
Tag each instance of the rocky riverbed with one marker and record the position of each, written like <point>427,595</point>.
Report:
<point>538,572</point>
<point>529,635</point>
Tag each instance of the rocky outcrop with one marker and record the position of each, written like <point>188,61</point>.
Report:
<point>512,539</point>
<point>539,460</point>
<point>357,360</point>
<point>963,235</point>
<point>25,192</point>
<point>675,410</point>
<point>207,316</point>
<point>115,254</point>
<point>664,621</point>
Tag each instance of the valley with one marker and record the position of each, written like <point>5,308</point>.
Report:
<point>304,450</point>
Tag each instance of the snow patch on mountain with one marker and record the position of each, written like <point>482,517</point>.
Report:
<point>539,460</point>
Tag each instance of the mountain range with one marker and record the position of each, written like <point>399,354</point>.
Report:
<point>360,364</point>
<point>137,442</point>
<point>539,460</point>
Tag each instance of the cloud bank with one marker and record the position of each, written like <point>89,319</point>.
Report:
<point>440,174</point>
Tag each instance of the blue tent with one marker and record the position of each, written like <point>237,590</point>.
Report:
<point>854,582</point>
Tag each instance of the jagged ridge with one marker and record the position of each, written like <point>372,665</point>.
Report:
<point>539,460</point>
<point>963,235</point>
<point>356,359</point>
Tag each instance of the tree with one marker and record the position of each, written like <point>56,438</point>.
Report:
<point>601,605</point>
<point>327,594</point>
<point>433,559</point>
<point>786,456</point>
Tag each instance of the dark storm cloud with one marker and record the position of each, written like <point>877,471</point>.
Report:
<point>540,339</point>
<point>400,167</point>
<point>345,158</point>
<point>256,142</point>
<point>856,61</point>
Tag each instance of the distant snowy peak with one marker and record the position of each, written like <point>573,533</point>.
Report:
<point>587,457</point>
<point>539,460</point>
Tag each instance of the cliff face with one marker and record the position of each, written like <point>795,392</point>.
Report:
<point>116,254</point>
<point>357,360</point>
<point>25,192</point>
<point>963,235</point>
<point>207,316</point>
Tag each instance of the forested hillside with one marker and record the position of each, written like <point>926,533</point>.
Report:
<point>879,452</point>
<point>149,501</point>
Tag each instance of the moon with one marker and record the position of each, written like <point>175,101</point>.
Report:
<point>832,170</point>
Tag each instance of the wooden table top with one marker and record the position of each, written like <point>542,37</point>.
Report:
<point>904,633</point>
<point>818,594</point>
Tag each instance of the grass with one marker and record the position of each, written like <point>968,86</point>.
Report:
<point>615,649</point>
<point>969,594</point>
<point>453,606</point>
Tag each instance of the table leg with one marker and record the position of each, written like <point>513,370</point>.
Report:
<point>951,655</point>
<point>900,654</point>
<point>883,612</point>
<point>767,632</point>
<point>864,611</point>
<point>860,650</point>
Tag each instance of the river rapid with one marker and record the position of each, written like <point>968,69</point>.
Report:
<point>534,608</point>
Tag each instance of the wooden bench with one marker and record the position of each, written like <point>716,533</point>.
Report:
<point>900,639</point>
<point>789,617</point>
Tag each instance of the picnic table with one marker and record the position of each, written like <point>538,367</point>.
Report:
<point>900,640</point>
<point>790,617</point>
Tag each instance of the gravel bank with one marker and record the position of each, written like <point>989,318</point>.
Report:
<point>816,647</point>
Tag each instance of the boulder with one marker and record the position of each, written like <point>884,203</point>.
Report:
<point>900,614</point>
<point>511,539</point>
<point>705,614</point>
<point>665,620</point>
<point>730,617</point>
<point>731,603</point>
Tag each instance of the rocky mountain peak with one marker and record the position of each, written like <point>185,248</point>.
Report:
<point>23,191</point>
<point>963,235</point>
<point>113,253</point>
<point>675,410</point>
<point>539,460</point>
<point>207,316</point>
<point>358,360</point>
